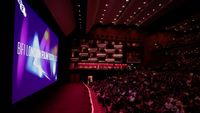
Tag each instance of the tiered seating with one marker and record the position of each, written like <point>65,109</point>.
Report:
<point>150,92</point>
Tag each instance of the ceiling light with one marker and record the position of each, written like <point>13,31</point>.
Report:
<point>143,18</point>
<point>120,11</point>
<point>148,14</point>
<point>139,21</point>
<point>153,10</point>
<point>144,2</point>
<point>101,21</point>
<point>102,14</point>
<point>79,10</point>
<point>104,10</point>
<point>139,8</point>
<point>127,0</point>
<point>131,16</point>
<point>101,18</point>
<point>117,15</point>
<point>134,13</point>
<point>193,20</point>
<point>79,14</point>
<point>79,18</point>
<point>115,19</point>
<point>106,5</point>
<point>78,5</point>
<point>123,6</point>
<point>127,19</point>
<point>160,4</point>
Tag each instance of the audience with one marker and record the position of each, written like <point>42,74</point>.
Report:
<point>182,52</point>
<point>143,91</point>
<point>183,39</point>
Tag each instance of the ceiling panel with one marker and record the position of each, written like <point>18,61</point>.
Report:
<point>63,14</point>
<point>148,12</point>
<point>127,12</point>
<point>114,8</point>
<point>91,14</point>
<point>141,14</point>
<point>132,10</point>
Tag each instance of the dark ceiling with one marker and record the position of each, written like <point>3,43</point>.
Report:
<point>151,15</point>
<point>143,14</point>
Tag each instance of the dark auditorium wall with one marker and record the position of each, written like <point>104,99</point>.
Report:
<point>64,58</point>
<point>160,39</point>
<point>115,33</point>
<point>6,34</point>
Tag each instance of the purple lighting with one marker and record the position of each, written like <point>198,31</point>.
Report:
<point>35,54</point>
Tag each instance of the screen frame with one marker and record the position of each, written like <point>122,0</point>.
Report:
<point>26,4</point>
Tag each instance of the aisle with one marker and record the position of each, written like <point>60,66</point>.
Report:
<point>71,98</point>
<point>97,107</point>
